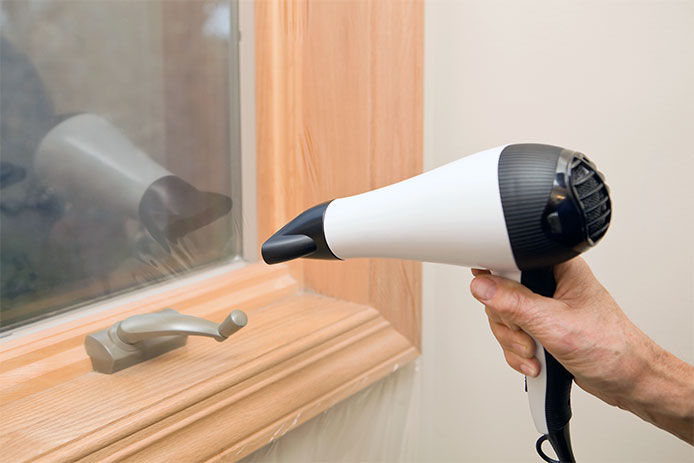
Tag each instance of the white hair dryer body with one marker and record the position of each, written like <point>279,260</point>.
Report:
<point>515,209</point>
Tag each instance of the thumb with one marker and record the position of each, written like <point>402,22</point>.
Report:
<point>514,303</point>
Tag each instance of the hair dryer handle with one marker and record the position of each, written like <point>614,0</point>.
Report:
<point>549,393</point>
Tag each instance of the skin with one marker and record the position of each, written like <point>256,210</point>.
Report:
<point>588,333</point>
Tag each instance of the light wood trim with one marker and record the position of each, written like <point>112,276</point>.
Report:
<point>299,354</point>
<point>339,112</point>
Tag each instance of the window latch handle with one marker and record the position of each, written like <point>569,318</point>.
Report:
<point>168,322</point>
<point>145,336</point>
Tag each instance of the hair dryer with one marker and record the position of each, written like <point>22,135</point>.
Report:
<point>87,160</point>
<point>516,209</point>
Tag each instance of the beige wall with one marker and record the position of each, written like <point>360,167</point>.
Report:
<point>614,79</point>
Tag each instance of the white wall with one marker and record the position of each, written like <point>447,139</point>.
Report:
<point>614,79</point>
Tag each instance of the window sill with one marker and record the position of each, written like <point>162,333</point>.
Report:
<point>299,355</point>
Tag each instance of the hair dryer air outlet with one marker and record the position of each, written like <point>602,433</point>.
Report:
<point>517,209</point>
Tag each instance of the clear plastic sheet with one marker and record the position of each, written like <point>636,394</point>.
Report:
<point>116,173</point>
<point>372,425</point>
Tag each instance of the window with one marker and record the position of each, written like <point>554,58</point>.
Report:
<point>120,148</point>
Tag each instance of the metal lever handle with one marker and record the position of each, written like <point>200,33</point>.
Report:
<point>168,322</point>
<point>142,337</point>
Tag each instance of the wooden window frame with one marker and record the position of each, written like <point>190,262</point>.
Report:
<point>338,111</point>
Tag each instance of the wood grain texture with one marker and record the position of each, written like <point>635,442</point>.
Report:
<point>48,358</point>
<point>339,112</point>
<point>299,354</point>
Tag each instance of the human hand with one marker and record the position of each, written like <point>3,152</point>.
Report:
<point>588,333</point>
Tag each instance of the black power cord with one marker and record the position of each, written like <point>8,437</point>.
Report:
<point>543,455</point>
<point>561,443</point>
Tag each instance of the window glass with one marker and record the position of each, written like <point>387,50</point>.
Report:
<point>119,147</point>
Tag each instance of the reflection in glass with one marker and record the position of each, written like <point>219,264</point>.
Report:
<point>118,146</point>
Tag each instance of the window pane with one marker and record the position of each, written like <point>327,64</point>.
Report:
<point>119,147</point>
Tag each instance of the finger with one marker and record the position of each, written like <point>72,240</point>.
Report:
<point>577,274</point>
<point>574,268</point>
<point>492,316</point>
<point>515,303</point>
<point>575,280</point>
<point>517,342</point>
<point>528,367</point>
<point>479,271</point>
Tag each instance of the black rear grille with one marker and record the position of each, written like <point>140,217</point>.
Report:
<point>592,195</point>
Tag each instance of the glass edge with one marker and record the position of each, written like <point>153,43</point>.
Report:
<point>74,312</point>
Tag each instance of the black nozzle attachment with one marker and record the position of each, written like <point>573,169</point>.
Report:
<point>287,247</point>
<point>302,237</point>
<point>171,208</point>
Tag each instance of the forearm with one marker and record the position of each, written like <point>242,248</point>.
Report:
<point>663,393</point>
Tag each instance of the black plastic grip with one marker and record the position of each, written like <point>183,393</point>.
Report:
<point>558,395</point>
<point>558,399</point>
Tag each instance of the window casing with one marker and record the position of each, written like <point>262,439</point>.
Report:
<point>317,331</point>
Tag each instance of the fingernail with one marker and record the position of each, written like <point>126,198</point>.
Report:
<point>528,370</point>
<point>483,288</point>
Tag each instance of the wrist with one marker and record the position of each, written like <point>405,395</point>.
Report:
<point>662,391</point>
